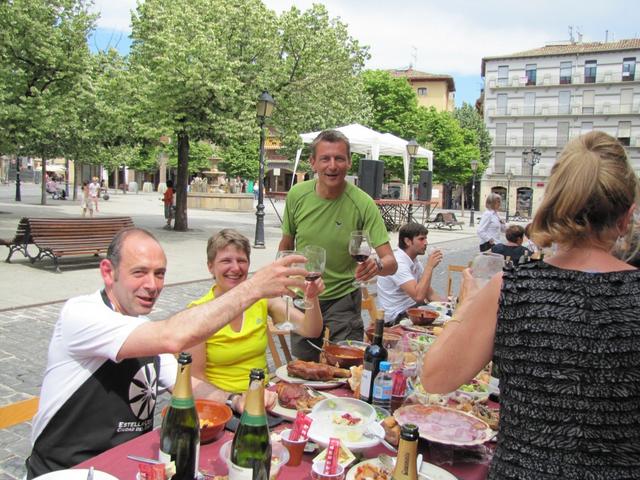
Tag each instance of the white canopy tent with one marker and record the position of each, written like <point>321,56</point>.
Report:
<point>372,144</point>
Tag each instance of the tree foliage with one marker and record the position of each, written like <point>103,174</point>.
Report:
<point>471,120</point>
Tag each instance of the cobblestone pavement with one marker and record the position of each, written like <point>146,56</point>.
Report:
<point>25,330</point>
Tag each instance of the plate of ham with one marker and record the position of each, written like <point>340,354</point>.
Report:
<point>445,425</point>
<point>312,374</point>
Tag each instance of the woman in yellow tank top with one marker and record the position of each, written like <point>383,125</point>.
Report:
<point>228,356</point>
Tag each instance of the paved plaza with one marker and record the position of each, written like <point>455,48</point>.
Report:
<point>33,294</point>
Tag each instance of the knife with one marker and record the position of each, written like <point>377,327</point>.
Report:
<point>90,474</point>
<point>143,459</point>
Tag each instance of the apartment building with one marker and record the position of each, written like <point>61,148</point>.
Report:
<point>537,100</point>
<point>432,90</point>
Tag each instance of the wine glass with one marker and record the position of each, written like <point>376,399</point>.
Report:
<point>316,259</point>
<point>287,324</point>
<point>359,249</point>
<point>485,265</point>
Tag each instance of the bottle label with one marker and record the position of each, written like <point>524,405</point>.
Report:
<point>182,402</point>
<point>365,385</point>
<point>382,391</point>
<point>239,473</point>
<point>164,457</point>
<point>253,420</point>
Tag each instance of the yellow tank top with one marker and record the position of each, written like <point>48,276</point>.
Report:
<point>231,355</point>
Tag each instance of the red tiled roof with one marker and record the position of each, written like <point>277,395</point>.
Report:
<point>570,49</point>
<point>411,74</point>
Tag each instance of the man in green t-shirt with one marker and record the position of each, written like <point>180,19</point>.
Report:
<point>324,211</point>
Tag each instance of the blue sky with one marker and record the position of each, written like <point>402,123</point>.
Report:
<point>448,37</point>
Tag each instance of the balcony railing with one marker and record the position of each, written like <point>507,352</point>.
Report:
<point>547,79</point>
<point>519,141</point>
<point>520,110</point>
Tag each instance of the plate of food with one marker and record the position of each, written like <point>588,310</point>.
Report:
<point>293,397</point>
<point>445,425</point>
<point>374,469</point>
<point>313,374</point>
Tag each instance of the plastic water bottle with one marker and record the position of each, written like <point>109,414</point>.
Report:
<point>382,387</point>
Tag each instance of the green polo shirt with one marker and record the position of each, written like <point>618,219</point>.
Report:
<point>313,220</point>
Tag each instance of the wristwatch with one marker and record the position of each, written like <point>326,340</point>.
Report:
<point>230,399</point>
<point>379,264</point>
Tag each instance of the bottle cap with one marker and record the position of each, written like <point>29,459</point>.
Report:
<point>184,358</point>
<point>385,366</point>
<point>409,431</point>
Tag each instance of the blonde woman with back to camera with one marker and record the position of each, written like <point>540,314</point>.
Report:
<point>491,225</point>
<point>564,333</point>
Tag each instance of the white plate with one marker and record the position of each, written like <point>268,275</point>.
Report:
<point>281,373</point>
<point>319,435</point>
<point>198,477</point>
<point>419,414</point>
<point>75,474</point>
<point>290,413</point>
<point>429,470</point>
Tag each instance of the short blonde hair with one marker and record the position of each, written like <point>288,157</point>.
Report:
<point>492,201</point>
<point>591,187</point>
<point>224,238</point>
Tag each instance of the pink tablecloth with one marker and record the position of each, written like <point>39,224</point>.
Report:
<point>115,461</point>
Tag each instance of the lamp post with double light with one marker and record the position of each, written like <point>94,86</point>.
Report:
<point>474,167</point>
<point>412,151</point>
<point>532,157</point>
<point>264,109</point>
<point>509,178</point>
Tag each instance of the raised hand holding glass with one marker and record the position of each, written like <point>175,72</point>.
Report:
<point>359,249</point>
<point>316,259</point>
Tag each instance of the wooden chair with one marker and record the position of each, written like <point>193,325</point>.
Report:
<point>451,270</point>
<point>18,412</point>
<point>272,331</point>
<point>369,304</point>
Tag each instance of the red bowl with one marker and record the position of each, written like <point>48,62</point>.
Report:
<point>422,316</point>
<point>390,337</point>
<point>213,417</point>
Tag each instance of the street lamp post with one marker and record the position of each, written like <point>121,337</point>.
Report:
<point>474,167</point>
<point>509,178</point>
<point>264,109</point>
<point>532,157</point>
<point>18,195</point>
<point>412,151</point>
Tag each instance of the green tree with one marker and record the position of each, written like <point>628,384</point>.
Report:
<point>241,159</point>
<point>43,54</point>
<point>200,65</point>
<point>469,119</point>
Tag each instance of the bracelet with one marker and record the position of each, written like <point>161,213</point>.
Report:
<point>378,264</point>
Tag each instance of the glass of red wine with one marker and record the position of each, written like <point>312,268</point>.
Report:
<point>316,259</point>
<point>359,249</point>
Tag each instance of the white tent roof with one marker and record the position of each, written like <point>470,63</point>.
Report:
<point>373,144</point>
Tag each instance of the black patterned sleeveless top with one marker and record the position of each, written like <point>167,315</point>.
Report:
<point>567,348</point>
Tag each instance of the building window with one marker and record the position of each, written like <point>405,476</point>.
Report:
<point>563,134</point>
<point>501,134</point>
<point>530,103</point>
<point>628,69</point>
<point>498,162</point>
<point>503,75</point>
<point>564,102</point>
<point>590,67</point>
<point>565,73</point>
<point>528,129</point>
<point>626,100</point>
<point>586,127</point>
<point>624,133</point>
<point>587,102</point>
<point>502,100</point>
<point>530,71</point>
<point>422,91</point>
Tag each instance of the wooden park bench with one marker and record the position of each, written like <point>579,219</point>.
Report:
<point>62,237</point>
<point>20,241</point>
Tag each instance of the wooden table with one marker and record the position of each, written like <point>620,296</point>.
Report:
<point>396,213</point>
<point>115,462</point>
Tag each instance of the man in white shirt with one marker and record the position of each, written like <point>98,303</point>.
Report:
<point>410,286</point>
<point>106,360</point>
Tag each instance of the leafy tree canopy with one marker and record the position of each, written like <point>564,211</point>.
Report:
<point>471,121</point>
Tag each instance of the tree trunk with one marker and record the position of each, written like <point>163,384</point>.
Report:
<point>181,182</point>
<point>43,190</point>
<point>462,200</point>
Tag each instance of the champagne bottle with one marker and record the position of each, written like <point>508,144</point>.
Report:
<point>406,468</point>
<point>251,447</point>
<point>373,355</point>
<point>180,436</point>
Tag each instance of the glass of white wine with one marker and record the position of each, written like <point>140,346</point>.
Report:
<point>316,259</point>
<point>359,249</point>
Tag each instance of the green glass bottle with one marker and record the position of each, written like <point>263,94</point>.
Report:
<point>180,436</point>
<point>251,447</point>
